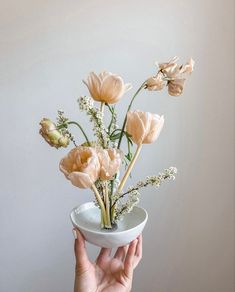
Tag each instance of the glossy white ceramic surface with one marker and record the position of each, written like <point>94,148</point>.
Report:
<point>87,219</point>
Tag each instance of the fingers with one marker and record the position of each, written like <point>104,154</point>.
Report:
<point>129,260</point>
<point>121,253</point>
<point>82,261</point>
<point>138,251</point>
<point>104,254</point>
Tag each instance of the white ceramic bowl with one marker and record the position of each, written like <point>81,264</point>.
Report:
<point>87,219</point>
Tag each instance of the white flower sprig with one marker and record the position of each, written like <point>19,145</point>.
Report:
<point>133,191</point>
<point>96,117</point>
<point>62,124</point>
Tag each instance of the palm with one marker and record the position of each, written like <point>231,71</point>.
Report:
<point>107,273</point>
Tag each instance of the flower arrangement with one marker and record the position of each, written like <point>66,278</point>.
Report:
<point>96,163</point>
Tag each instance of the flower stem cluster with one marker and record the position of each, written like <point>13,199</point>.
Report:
<point>96,164</point>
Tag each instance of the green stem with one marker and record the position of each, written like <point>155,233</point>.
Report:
<point>129,107</point>
<point>129,169</point>
<point>112,111</point>
<point>102,206</point>
<point>75,123</point>
<point>125,177</point>
<point>102,106</point>
<point>107,205</point>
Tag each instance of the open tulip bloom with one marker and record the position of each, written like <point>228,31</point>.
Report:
<point>96,163</point>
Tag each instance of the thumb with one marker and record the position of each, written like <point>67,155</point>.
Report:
<point>82,260</point>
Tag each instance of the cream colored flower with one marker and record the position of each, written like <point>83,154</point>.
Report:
<point>81,166</point>
<point>176,87</point>
<point>144,127</point>
<point>170,69</point>
<point>106,87</point>
<point>51,135</point>
<point>110,162</point>
<point>176,74</point>
<point>155,82</point>
<point>188,67</point>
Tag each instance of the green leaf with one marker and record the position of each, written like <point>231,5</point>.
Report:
<point>128,156</point>
<point>115,137</point>
<point>130,141</point>
<point>127,134</point>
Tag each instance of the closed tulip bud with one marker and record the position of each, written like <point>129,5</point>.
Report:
<point>144,127</point>
<point>52,135</point>
<point>106,87</point>
<point>176,87</point>
<point>110,162</point>
<point>81,166</point>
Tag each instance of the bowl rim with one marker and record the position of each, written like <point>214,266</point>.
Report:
<point>105,232</point>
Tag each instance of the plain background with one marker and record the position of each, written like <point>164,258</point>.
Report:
<point>46,49</point>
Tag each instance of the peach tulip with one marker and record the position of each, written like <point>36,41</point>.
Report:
<point>106,87</point>
<point>81,166</point>
<point>144,127</point>
<point>110,162</point>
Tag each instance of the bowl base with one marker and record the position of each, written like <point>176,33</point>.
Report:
<point>87,219</point>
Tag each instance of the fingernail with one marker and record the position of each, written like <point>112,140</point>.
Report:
<point>75,234</point>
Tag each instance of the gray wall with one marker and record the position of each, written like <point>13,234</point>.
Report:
<point>46,49</point>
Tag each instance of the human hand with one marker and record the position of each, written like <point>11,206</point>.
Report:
<point>106,274</point>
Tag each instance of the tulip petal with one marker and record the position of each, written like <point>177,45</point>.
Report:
<point>176,87</point>
<point>103,74</point>
<point>110,161</point>
<point>112,89</point>
<point>157,123</point>
<point>93,84</point>
<point>81,166</point>
<point>106,87</point>
<point>92,168</point>
<point>66,164</point>
<point>144,127</point>
<point>135,127</point>
<point>80,180</point>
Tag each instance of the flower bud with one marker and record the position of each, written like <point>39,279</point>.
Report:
<point>52,135</point>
